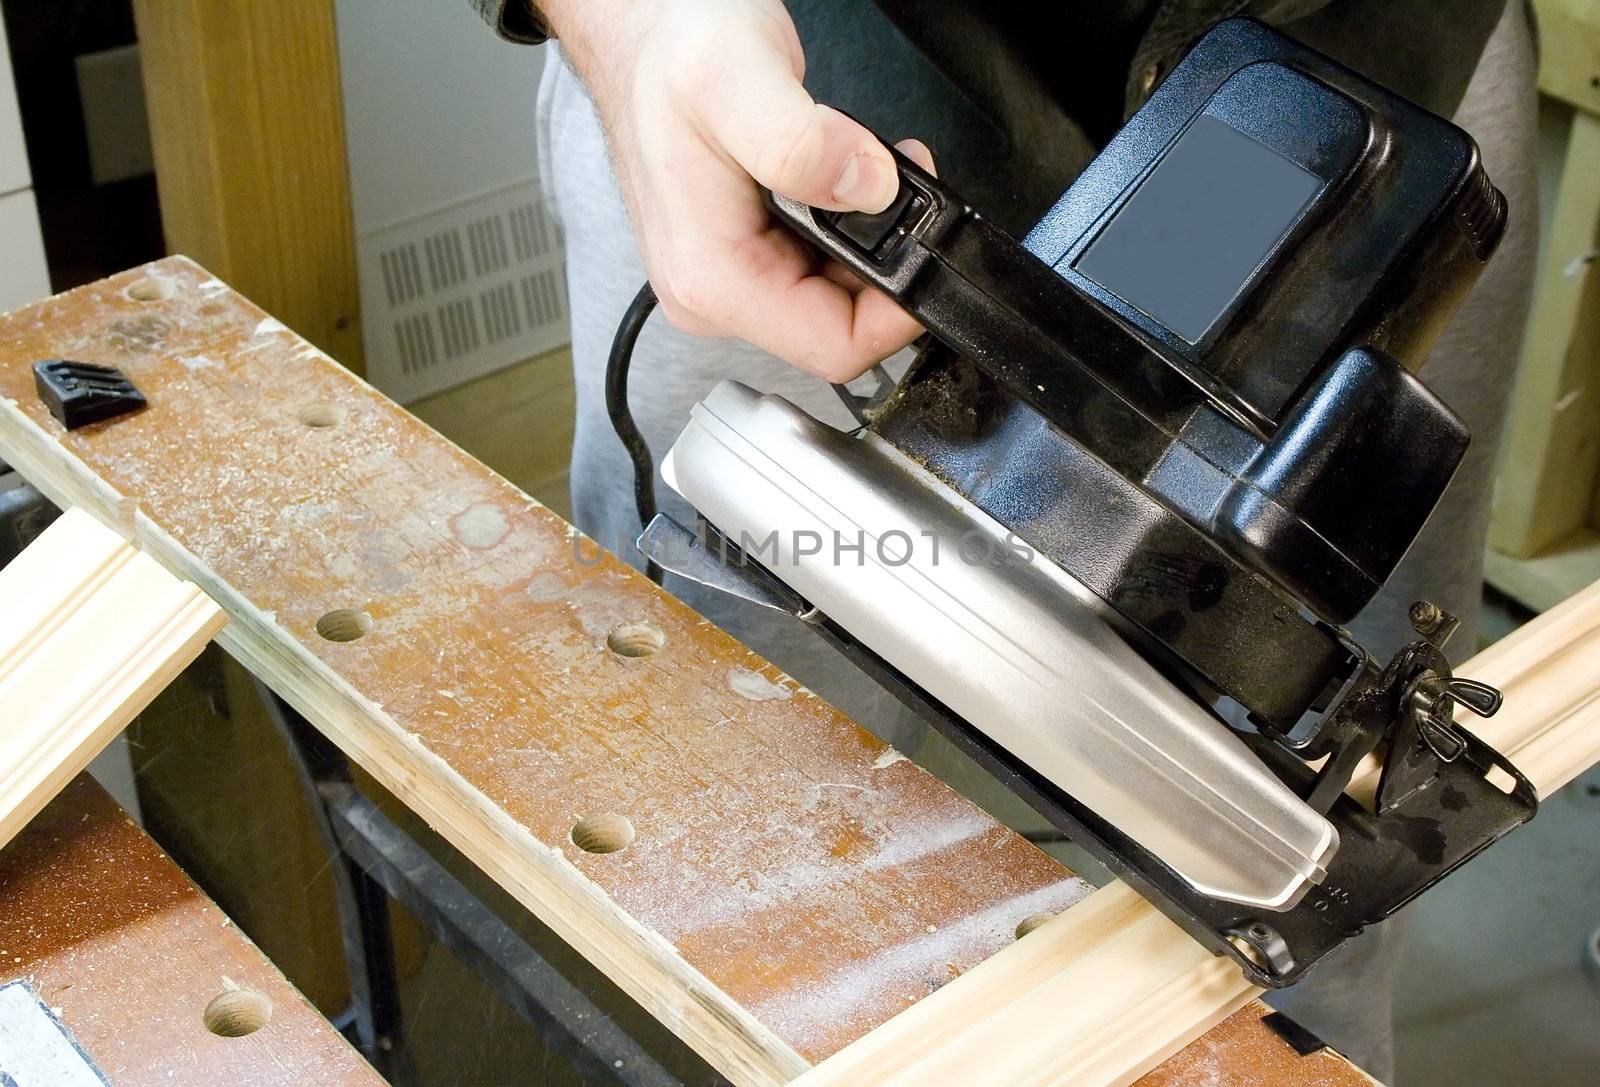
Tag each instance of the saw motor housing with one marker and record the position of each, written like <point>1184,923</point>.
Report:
<point>1219,419</point>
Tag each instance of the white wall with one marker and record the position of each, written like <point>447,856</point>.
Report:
<point>437,108</point>
<point>461,271</point>
<point>13,157</point>
<point>23,276</point>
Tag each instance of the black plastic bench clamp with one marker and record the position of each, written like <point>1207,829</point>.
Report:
<point>79,393</point>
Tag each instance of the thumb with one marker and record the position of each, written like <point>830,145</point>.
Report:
<point>771,127</point>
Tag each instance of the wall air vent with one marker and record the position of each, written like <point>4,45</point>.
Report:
<point>461,292</point>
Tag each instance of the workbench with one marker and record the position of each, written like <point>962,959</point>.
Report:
<point>762,875</point>
<point>142,969</point>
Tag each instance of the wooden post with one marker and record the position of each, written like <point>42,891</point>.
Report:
<point>247,127</point>
<point>1552,449</point>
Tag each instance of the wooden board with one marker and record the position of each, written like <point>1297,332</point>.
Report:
<point>1543,546</point>
<point>1107,990</point>
<point>790,882</point>
<point>1542,582</point>
<point>1569,51</point>
<point>90,631</point>
<point>1550,459</point>
<point>247,129</point>
<point>130,954</point>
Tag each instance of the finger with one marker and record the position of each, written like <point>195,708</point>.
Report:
<point>767,123</point>
<point>840,273</point>
<point>789,309</point>
<point>918,152</point>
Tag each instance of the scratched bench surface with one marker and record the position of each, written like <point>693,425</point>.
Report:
<point>815,880</point>
<point>129,955</point>
<point>789,883</point>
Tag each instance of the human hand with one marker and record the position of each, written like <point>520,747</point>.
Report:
<point>702,101</point>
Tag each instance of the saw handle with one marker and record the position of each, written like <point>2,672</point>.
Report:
<point>886,249</point>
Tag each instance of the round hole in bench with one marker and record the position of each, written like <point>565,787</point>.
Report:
<point>604,833</point>
<point>236,1013</point>
<point>1028,924</point>
<point>321,415</point>
<point>344,624</point>
<point>636,640</point>
<point>150,289</point>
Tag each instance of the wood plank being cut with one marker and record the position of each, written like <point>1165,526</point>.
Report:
<point>1107,990</point>
<point>761,874</point>
<point>90,630</point>
<point>150,980</point>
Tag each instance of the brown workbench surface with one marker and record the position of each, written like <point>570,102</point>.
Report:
<point>791,882</point>
<point>128,953</point>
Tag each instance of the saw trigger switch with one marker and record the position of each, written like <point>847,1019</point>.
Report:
<point>873,231</point>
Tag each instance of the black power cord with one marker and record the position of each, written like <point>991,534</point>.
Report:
<point>644,466</point>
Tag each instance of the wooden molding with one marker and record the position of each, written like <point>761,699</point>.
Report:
<point>90,630</point>
<point>1109,989</point>
<point>1102,993</point>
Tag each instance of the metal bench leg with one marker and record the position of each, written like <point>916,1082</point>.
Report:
<point>362,902</point>
<point>375,859</point>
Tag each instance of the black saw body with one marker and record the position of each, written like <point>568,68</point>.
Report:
<point>1192,388</point>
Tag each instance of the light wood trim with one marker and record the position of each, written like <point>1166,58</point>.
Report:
<point>1102,993</point>
<point>1110,988</point>
<point>247,127</point>
<point>90,630</point>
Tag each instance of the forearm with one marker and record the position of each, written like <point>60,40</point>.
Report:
<point>601,38</point>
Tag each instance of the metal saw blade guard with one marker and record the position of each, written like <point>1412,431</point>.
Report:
<point>998,634</point>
